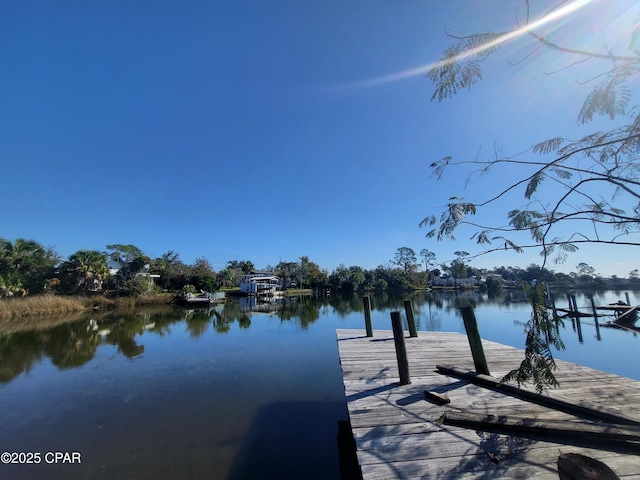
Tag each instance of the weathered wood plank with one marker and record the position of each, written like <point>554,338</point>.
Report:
<point>395,426</point>
<point>527,425</point>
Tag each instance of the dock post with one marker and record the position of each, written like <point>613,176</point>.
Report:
<point>577,315</point>
<point>411,321</point>
<point>573,319</point>
<point>575,304</point>
<point>580,339</point>
<point>595,318</point>
<point>401,350</point>
<point>626,294</point>
<point>475,342</point>
<point>366,300</point>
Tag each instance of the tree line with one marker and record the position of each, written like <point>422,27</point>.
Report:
<point>29,268</point>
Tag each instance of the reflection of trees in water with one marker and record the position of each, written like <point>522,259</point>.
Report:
<point>197,322</point>
<point>302,310</point>
<point>69,345</point>
<point>74,344</point>
<point>19,352</point>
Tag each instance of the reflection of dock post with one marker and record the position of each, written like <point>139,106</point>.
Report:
<point>573,320</point>
<point>577,314</point>
<point>475,342</point>
<point>595,318</point>
<point>580,339</point>
<point>366,300</point>
<point>411,321</point>
<point>570,304</point>
<point>401,350</point>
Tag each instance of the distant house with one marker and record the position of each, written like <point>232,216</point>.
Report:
<point>445,280</point>
<point>144,273</point>
<point>494,276</point>
<point>115,266</point>
<point>260,283</point>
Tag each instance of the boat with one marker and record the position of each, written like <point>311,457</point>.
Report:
<point>202,298</point>
<point>260,284</point>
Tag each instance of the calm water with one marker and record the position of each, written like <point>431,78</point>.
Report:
<point>226,394</point>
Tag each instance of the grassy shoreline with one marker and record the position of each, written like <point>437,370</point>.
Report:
<point>58,305</point>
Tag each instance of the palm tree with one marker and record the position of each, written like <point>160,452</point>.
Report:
<point>85,271</point>
<point>27,263</point>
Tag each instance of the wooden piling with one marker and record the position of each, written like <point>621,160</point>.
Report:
<point>579,328</point>
<point>411,321</point>
<point>595,318</point>
<point>366,301</point>
<point>401,350</point>
<point>575,304</point>
<point>626,295</point>
<point>475,342</point>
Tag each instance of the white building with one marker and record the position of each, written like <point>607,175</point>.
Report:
<point>260,283</point>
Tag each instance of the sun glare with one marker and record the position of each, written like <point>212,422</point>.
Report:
<point>547,20</point>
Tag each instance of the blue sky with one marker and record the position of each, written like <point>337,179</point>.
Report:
<point>263,131</point>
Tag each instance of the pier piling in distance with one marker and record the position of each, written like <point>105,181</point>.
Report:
<point>366,300</point>
<point>475,342</point>
<point>595,318</point>
<point>411,321</point>
<point>572,300</point>
<point>575,305</point>
<point>401,350</point>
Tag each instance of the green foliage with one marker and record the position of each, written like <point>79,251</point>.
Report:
<point>302,274</point>
<point>356,279</point>
<point>172,272</point>
<point>245,266</point>
<point>226,278</point>
<point>459,68</point>
<point>406,259</point>
<point>25,267</point>
<point>136,286</point>
<point>83,272</point>
<point>124,253</point>
<point>455,213</point>
<point>132,278</point>
<point>204,282</point>
<point>543,332</point>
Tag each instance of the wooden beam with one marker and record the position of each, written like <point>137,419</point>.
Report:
<point>584,408</point>
<point>529,426</point>
<point>436,397</point>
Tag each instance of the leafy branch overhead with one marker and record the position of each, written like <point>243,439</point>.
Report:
<point>574,191</point>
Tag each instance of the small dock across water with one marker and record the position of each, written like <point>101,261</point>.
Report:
<point>464,429</point>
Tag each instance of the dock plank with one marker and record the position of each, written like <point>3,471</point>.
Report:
<point>396,427</point>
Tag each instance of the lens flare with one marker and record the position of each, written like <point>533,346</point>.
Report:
<point>549,18</point>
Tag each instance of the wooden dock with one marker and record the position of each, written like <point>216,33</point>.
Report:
<point>401,433</point>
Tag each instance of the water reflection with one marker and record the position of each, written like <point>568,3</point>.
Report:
<point>74,344</point>
<point>226,392</point>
